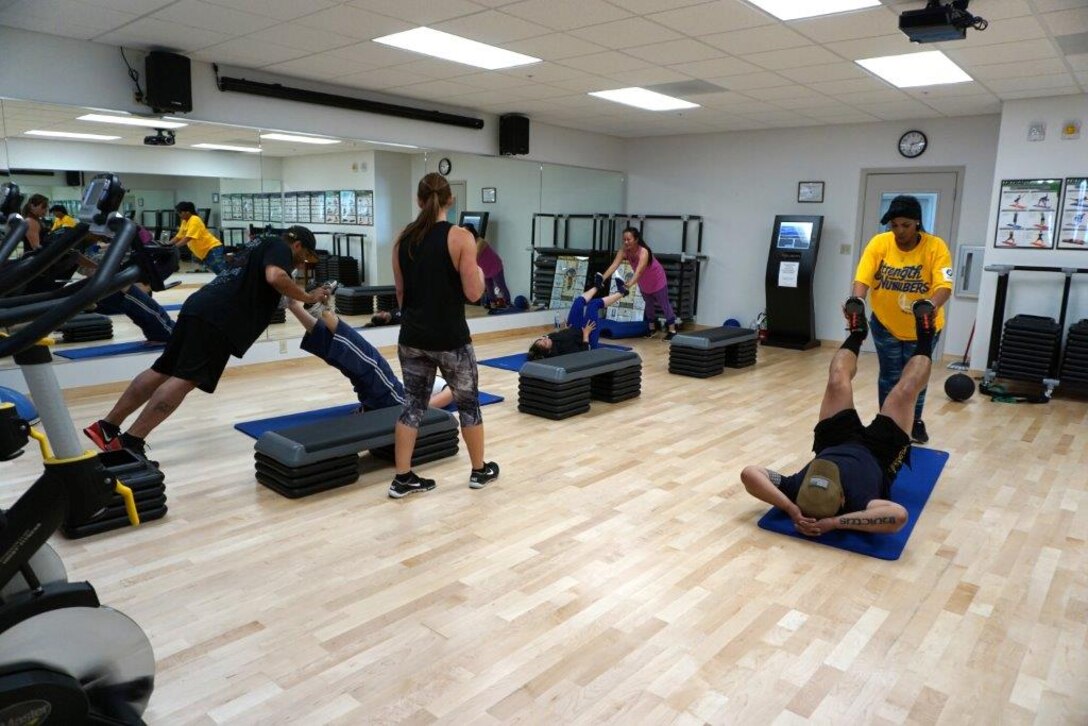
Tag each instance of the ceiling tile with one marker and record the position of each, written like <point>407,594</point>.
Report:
<point>987,73</point>
<point>876,47</point>
<point>57,14</point>
<point>425,69</point>
<point>1041,92</point>
<point>685,50</point>
<point>278,9</point>
<point>379,79</point>
<point>586,84</point>
<point>156,34</point>
<point>358,23</point>
<point>724,100</point>
<point>1033,83</point>
<point>645,7</point>
<point>318,67</point>
<point>900,111</point>
<point>869,98</point>
<point>1067,22</point>
<point>831,72</point>
<point>302,38</point>
<point>565,14</point>
<point>1047,6</point>
<point>249,53</point>
<point>999,33</point>
<point>135,7</point>
<point>541,91</point>
<point>53,26</point>
<point>965,106</point>
<point>417,12</point>
<point>622,34</point>
<point>793,58</point>
<point>848,117</point>
<point>375,54</point>
<point>555,46</point>
<point>437,90</point>
<point>716,68</point>
<point>199,14</point>
<point>756,40</point>
<point>1004,9</point>
<point>763,79</point>
<point>848,26</point>
<point>720,16</point>
<point>951,90</point>
<point>490,81</point>
<point>608,62</point>
<point>856,85</point>
<point>784,93</point>
<point>648,76</point>
<point>544,73</point>
<point>1005,53</point>
<point>492,27</point>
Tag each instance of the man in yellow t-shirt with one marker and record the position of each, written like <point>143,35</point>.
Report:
<point>61,220</point>
<point>902,266</point>
<point>203,244</point>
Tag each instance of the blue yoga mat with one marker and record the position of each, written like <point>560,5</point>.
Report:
<point>105,351</point>
<point>172,307</point>
<point>258,427</point>
<point>911,489</point>
<point>515,361</point>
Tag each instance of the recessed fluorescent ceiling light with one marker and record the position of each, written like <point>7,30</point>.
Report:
<point>794,9</point>
<point>455,48</point>
<point>151,123</point>
<point>390,143</point>
<point>228,147</point>
<point>299,139</point>
<point>932,68</point>
<point>70,135</point>
<point>641,98</point>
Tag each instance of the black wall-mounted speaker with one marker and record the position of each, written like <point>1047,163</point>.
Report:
<point>513,134</point>
<point>169,82</point>
<point>73,179</point>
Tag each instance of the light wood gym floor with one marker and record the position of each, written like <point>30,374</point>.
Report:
<point>614,573</point>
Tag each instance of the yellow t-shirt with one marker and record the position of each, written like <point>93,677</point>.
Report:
<point>202,241</point>
<point>897,278</point>
<point>63,222</point>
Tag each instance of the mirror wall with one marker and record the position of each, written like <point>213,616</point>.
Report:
<point>354,194</point>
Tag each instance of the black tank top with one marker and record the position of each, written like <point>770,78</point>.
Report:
<point>433,315</point>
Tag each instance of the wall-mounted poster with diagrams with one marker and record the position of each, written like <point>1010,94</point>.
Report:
<point>225,211</point>
<point>247,206</point>
<point>302,209</point>
<point>1028,213</point>
<point>570,281</point>
<point>275,208</point>
<point>347,207</point>
<point>1073,228</point>
<point>290,208</point>
<point>317,207</point>
<point>364,207</point>
<point>332,207</point>
<point>236,206</point>
<point>260,208</point>
<point>628,309</point>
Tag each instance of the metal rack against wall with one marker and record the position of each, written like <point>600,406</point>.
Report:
<point>600,237</point>
<point>1049,378</point>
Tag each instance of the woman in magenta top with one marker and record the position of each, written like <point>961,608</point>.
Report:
<point>491,264</point>
<point>649,276</point>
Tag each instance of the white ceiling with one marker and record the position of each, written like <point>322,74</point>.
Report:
<point>772,73</point>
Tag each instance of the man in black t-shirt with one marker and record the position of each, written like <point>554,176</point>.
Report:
<point>848,484</point>
<point>221,319</point>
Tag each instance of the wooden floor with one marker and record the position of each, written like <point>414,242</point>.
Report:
<point>613,574</point>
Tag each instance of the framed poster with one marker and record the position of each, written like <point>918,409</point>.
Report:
<point>235,206</point>
<point>627,309</point>
<point>247,207</point>
<point>260,207</point>
<point>570,280</point>
<point>290,208</point>
<point>1073,227</point>
<point>811,192</point>
<point>302,207</point>
<point>332,207</point>
<point>275,208</point>
<point>348,212</point>
<point>317,207</point>
<point>364,207</point>
<point>489,195</point>
<point>1027,213</point>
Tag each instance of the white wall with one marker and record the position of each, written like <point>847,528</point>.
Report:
<point>1017,158</point>
<point>739,181</point>
<point>393,209</point>
<point>37,154</point>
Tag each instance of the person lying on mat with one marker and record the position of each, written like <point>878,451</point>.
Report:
<point>581,331</point>
<point>340,345</point>
<point>848,484</point>
<point>384,317</point>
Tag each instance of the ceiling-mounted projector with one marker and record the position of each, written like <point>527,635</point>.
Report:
<point>937,22</point>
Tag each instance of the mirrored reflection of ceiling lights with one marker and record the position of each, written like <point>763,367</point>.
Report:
<point>300,139</point>
<point>644,99</point>
<point>796,9</point>
<point>454,48</point>
<point>150,123</point>
<point>70,135</point>
<point>932,68</point>
<point>228,147</point>
<point>390,143</point>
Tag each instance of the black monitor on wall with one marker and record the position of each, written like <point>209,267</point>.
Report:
<point>477,220</point>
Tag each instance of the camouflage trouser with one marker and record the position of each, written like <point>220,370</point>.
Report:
<point>458,367</point>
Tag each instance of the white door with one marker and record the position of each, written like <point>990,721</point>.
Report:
<point>460,194</point>
<point>937,193</point>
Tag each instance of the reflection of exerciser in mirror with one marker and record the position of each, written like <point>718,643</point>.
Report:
<point>110,676</point>
<point>580,332</point>
<point>496,293</point>
<point>192,232</point>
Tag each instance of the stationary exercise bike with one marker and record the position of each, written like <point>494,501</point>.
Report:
<point>64,658</point>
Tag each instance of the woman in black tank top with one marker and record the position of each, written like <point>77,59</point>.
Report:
<point>434,264</point>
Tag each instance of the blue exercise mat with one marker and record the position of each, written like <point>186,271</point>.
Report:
<point>515,361</point>
<point>172,307</point>
<point>258,427</point>
<point>911,489</point>
<point>105,351</point>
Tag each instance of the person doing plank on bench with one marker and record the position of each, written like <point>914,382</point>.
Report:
<point>848,484</point>
<point>340,345</point>
<point>581,332</point>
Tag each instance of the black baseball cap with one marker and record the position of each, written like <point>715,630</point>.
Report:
<point>298,233</point>
<point>903,206</point>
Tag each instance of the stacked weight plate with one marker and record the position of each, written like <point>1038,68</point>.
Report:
<point>341,268</point>
<point>556,400</point>
<point>1028,345</point>
<point>429,447</point>
<point>617,386</point>
<point>681,278</point>
<point>543,278</point>
<point>87,327</point>
<point>148,489</point>
<point>280,316</point>
<point>1075,364</point>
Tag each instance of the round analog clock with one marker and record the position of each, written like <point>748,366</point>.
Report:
<point>445,167</point>
<point>912,144</point>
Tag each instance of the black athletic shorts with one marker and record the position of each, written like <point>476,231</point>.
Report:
<point>888,443</point>
<point>196,352</point>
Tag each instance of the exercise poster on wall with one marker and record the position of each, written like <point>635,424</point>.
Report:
<point>364,207</point>
<point>1073,229</point>
<point>275,208</point>
<point>332,208</point>
<point>570,281</point>
<point>347,207</point>
<point>317,207</point>
<point>290,208</point>
<point>628,309</point>
<point>1028,213</point>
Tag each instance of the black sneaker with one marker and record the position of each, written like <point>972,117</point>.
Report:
<point>670,335</point>
<point>621,287</point>
<point>918,432</point>
<point>854,309</point>
<point>136,446</point>
<point>925,317</point>
<point>412,485</point>
<point>480,478</point>
<point>598,281</point>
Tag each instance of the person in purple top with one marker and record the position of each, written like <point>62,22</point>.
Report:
<point>649,276</point>
<point>495,289</point>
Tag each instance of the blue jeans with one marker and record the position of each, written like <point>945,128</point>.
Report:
<point>215,260</point>
<point>893,355</point>
<point>582,312</point>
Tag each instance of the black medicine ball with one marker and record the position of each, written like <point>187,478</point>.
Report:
<point>959,387</point>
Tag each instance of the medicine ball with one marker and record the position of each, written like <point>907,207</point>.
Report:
<point>731,323</point>
<point>24,407</point>
<point>959,387</point>
<point>521,303</point>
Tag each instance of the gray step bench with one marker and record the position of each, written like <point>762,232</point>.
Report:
<point>315,457</point>
<point>561,387</point>
<point>706,353</point>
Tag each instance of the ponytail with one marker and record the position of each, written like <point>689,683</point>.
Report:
<point>433,194</point>
<point>634,232</point>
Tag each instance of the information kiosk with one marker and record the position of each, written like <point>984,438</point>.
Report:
<point>791,266</point>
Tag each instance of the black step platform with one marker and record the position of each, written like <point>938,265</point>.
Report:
<point>87,327</point>
<point>561,387</point>
<point>365,300</point>
<point>706,353</point>
<point>148,489</point>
